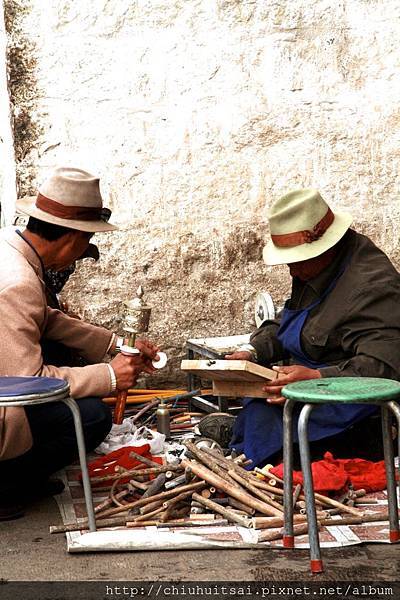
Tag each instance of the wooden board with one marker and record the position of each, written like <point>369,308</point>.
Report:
<point>232,377</point>
<point>239,389</point>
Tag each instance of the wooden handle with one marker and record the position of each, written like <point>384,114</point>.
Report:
<point>120,407</point>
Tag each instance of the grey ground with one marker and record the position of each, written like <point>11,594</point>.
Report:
<point>29,553</point>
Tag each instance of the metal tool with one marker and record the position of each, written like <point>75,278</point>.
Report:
<point>163,420</point>
<point>136,318</point>
<point>264,308</point>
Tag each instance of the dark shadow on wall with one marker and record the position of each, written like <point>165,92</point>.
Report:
<point>24,93</point>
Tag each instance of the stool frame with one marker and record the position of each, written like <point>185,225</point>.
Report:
<point>63,395</point>
<point>316,563</point>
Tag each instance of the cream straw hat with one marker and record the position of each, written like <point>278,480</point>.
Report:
<point>71,198</point>
<point>302,226</point>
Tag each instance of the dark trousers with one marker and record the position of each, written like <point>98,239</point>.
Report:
<point>258,432</point>
<point>54,444</point>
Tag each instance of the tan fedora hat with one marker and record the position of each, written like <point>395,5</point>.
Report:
<point>71,198</point>
<point>302,226</point>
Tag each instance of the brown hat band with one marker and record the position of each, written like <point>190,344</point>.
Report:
<point>288,240</point>
<point>80,213</point>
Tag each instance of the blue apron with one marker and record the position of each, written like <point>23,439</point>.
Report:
<point>258,430</point>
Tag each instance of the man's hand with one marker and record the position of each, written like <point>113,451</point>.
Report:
<point>148,350</point>
<point>240,355</point>
<point>128,368</point>
<point>288,375</point>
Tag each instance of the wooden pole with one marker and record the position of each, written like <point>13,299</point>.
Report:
<point>272,522</point>
<point>210,463</point>
<point>229,489</point>
<point>143,459</point>
<point>225,512</point>
<point>137,473</point>
<point>320,497</point>
<point>161,496</point>
<point>169,505</point>
<point>180,523</point>
<point>108,502</point>
<point>269,536</point>
<point>256,492</point>
<point>143,410</point>
<point>236,504</point>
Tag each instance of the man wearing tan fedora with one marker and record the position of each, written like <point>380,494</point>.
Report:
<point>342,319</point>
<point>39,440</point>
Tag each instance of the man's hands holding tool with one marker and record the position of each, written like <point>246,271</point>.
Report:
<point>287,375</point>
<point>148,350</point>
<point>128,368</point>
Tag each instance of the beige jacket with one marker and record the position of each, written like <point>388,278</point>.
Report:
<point>25,319</point>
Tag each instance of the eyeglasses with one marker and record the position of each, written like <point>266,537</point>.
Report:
<point>105,214</point>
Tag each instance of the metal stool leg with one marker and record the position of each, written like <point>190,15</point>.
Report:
<point>394,535</point>
<point>395,408</point>
<point>315,551</point>
<point>288,537</point>
<point>82,459</point>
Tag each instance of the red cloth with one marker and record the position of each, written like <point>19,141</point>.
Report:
<point>107,464</point>
<point>335,475</point>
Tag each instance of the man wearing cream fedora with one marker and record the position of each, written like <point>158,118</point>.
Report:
<point>342,319</point>
<point>39,440</point>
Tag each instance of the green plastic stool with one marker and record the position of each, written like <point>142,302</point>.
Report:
<point>356,390</point>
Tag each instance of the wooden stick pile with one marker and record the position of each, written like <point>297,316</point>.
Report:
<point>139,396</point>
<point>144,409</point>
<point>212,489</point>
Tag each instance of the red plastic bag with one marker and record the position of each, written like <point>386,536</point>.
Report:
<point>363,474</point>
<point>335,475</point>
<point>109,463</point>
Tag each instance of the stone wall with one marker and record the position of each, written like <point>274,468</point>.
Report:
<point>197,114</point>
<point>7,163</point>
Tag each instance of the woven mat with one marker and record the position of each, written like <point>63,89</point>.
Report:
<point>72,507</point>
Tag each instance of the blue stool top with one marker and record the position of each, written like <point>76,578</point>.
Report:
<point>26,386</point>
<point>355,390</point>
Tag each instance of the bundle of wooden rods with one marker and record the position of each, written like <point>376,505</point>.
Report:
<point>140,396</point>
<point>144,404</point>
<point>209,488</point>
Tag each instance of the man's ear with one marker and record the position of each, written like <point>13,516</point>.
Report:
<point>91,251</point>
